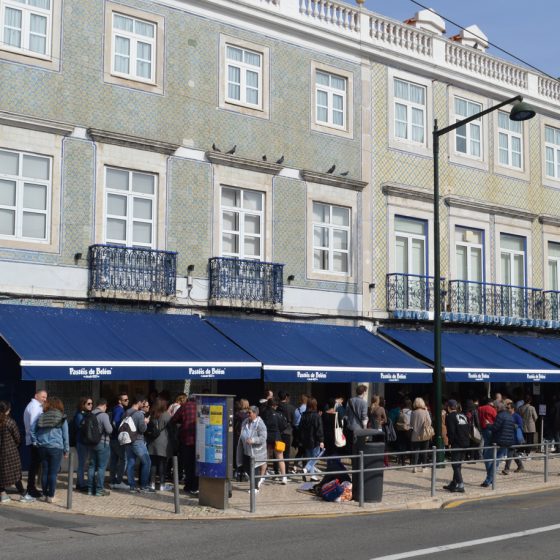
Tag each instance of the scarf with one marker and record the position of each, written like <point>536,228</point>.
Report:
<point>51,419</point>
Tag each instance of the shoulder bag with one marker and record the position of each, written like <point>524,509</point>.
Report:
<point>427,431</point>
<point>339,437</point>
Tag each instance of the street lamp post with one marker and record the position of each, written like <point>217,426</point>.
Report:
<point>520,111</point>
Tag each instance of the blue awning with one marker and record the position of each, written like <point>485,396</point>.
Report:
<point>545,347</point>
<point>292,352</point>
<point>475,357</point>
<point>70,344</point>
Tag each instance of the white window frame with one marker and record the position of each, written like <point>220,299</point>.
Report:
<point>407,144</point>
<point>510,135</point>
<point>242,213</point>
<point>331,229</point>
<point>553,147</point>
<point>244,68</point>
<point>409,237</point>
<point>469,128</point>
<point>131,80</point>
<point>260,109</point>
<point>549,260</point>
<point>511,254</point>
<point>18,208</point>
<point>130,196</point>
<point>27,12</point>
<point>331,92</point>
<point>469,247</point>
<point>133,39</point>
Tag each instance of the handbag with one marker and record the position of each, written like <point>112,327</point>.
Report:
<point>475,435</point>
<point>339,437</point>
<point>279,446</point>
<point>427,432</point>
<point>389,429</point>
<point>519,437</point>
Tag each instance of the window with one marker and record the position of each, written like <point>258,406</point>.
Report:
<point>330,105</point>
<point>512,256</point>
<point>244,76</point>
<point>410,111</point>
<point>553,266</point>
<point>134,43</point>
<point>331,238</point>
<point>469,250</point>
<point>25,194</point>
<point>552,150</point>
<point>130,208</point>
<point>510,141</point>
<point>468,138</point>
<point>242,223</point>
<point>410,246</point>
<point>26,26</point>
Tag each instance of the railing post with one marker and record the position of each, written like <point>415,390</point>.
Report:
<point>252,488</point>
<point>434,462</point>
<point>494,464</point>
<point>70,480</point>
<point>176,484</point>
<point>362,477</point>
<point>546,458</point>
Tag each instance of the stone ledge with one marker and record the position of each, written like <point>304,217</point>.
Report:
<point>135,142</point>
<point>333,180</point>
<point>34,123</point>
<point>407,191</point>
<point>231,160</point>
<point>471,204</point>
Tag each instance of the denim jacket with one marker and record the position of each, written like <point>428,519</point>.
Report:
<point>56,438</point>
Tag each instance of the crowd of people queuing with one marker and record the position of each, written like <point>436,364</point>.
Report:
<point>139,434</point>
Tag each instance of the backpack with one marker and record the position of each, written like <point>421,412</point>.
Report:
<point>331,491</point>
<point>152,431</point>
<point>127,431</point>
<point>90,430</point>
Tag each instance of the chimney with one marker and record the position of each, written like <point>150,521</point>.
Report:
<point>472,37</point>
<point>427,20</point>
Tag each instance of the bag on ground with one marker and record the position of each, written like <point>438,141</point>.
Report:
<point>127,431</point>
<point>331,491</point>
<point>90,431</point>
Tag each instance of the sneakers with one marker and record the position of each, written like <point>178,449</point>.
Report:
<point>284,480</point>
<point>147,490</point>
<point>166,488</point>
<point>505,472</point>
<point>119,486</point>
<point>34,493</point>
<point>102,493</point>
<point>50,500</point>
<point>26,499</point>
<point>460,489</point>
<point>193,492</point>
<point>153,486</point>
<point>450,487</point>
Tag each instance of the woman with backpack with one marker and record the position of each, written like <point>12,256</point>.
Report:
<point>99,454</point>
<point>85,406</point>
<point>160,445</point>
<point>50,434</point>
<point>10,462</point>
<point>275,423</point>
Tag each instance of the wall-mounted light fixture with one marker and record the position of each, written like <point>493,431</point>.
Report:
<point>371,286</point>
<point>77,256</point>
<point>291,278</point>
<point>190,270</point>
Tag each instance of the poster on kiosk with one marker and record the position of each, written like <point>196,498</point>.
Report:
<point>214,449</point>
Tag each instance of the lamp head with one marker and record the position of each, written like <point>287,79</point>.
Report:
<point>522,111</point>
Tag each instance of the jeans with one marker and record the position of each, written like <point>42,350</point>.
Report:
<point>98,459</point>
<point>118,462</point>
<point>137,450</point>
<point>315,452</point>
<point>51,458</point>
<point>501,454</point>
<point>457,474</point>
<point>188,454</point>
<point>83,457</point>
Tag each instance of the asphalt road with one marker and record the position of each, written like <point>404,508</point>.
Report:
<point>503,522</point>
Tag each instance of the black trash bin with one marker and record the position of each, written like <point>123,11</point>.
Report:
<point>369,441</point>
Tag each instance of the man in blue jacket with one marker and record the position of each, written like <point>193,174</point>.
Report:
<point>137,450</point>
<point>118,452</point>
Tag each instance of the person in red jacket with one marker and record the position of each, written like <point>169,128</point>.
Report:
<point>185,418</point>
<point>486,416</point>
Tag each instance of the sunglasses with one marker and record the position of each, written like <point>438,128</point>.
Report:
<point>89,403</point>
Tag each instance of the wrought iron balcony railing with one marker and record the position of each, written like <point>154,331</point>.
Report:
<point>495,300</point>
<point>114,269</point>
<point>246,282</point>
<point>411,292</point>
<point>551,304</point>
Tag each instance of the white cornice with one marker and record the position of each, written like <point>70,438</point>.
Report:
<point>478,206</point>
<point>407,191</point>
<point>333,180</point>
<point>118,139</point>
<point>549,220</point>
<point>219,158</point>
<point>33,123</point>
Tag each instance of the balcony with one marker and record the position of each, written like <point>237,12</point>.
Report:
<point>245,283</point>
<point>551,305</point>
<point>117,272</point>
<point>411,296</point>
<point>497,304</point>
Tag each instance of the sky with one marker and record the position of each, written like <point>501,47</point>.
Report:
<point>529,30</point>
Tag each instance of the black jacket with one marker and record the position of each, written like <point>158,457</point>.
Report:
<point>311,430</point>
<point>275,424</point>
<point>458,429</point>
<point>288,410</point>
<point>503,429</point>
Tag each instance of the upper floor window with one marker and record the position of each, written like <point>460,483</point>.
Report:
<point>244,76</point>
<point>330,105</point>
<point>331,238</point>
<point>242,222</point>
<point>469,250</point>
<point>468,138</point>
<point>510,141</point>
<point>552,149</point>
<point>26,26</point>
<point>512,259</point>
<point>25,194</point>
<point>410,111</point>
<point>410,246</point>
<point>553,266</point>
<point>130,214</point>
<point>134,44</point>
